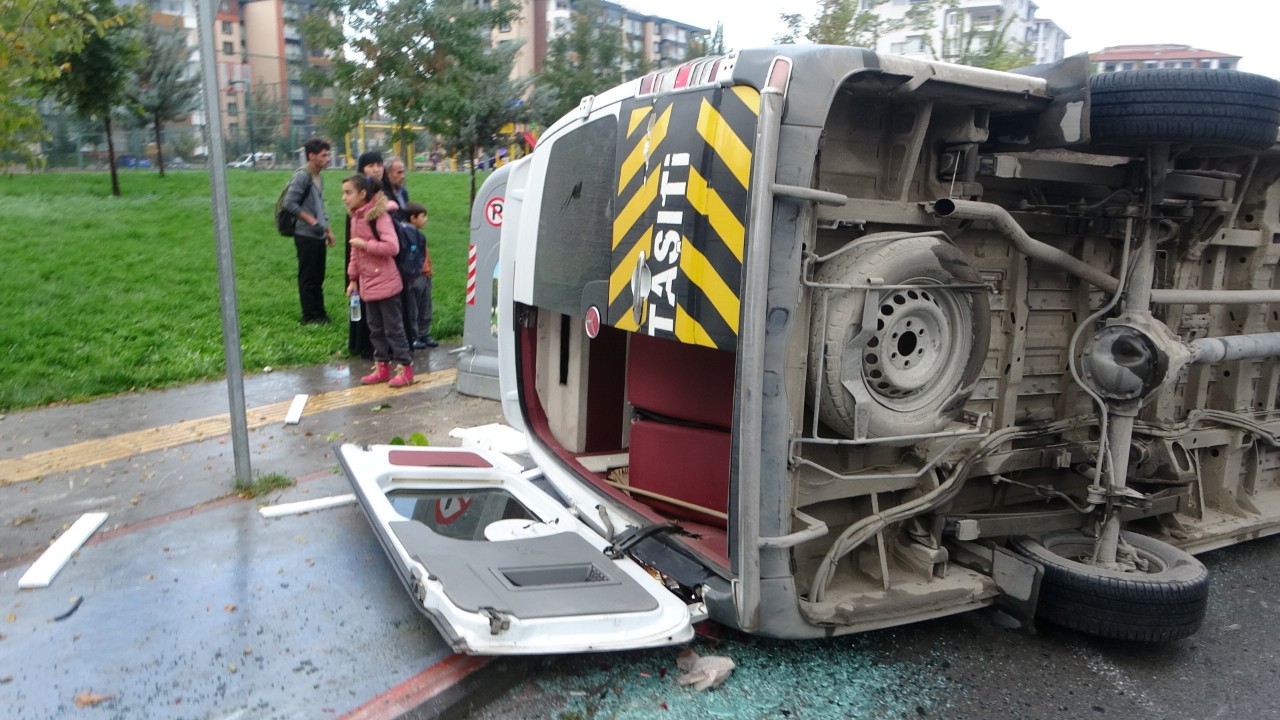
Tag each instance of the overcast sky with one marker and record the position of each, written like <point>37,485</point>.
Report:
<point>1238,27</point>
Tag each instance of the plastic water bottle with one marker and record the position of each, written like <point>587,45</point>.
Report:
<point>355,307</point>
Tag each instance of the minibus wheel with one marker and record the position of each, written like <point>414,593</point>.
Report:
<point>1163,601</point>
<point>914,368</point>
<point>1211,112</point>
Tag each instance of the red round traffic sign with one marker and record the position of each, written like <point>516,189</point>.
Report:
<point>493,211</point>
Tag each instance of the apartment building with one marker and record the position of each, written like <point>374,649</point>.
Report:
<point>277,56</point>
<point>260,54</point>
<point>228,47</point>
<point>1138,57</point>
<point>1047,41</point>
<point>973,21</point>
<point>657,41</point>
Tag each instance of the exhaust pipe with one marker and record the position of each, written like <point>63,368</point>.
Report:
<point>1029,246</point>
<point>1004,222</point>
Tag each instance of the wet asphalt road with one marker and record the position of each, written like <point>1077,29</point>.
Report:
<point>188,604</point>
<point>964,667</point>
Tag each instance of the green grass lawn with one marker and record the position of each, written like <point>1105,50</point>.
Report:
<point>102,295</point>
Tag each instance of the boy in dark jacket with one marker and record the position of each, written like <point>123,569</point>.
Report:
<point>417,296</point>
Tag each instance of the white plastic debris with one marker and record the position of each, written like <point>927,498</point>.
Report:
<point>494,436</point>
<point>42,571</point>
<point>305,506</point>
<point>294,416</point>
<point>703,672</point>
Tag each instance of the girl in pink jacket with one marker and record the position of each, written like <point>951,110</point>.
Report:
<point>373,274</point>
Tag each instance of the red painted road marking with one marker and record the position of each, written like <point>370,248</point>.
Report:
<point>419,689</point>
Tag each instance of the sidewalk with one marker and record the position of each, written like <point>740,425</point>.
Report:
<point>186,602</point>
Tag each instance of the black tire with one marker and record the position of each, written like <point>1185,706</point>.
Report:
<point>944,332</point>
<point>1212,112</point>
<point>1166,603</point>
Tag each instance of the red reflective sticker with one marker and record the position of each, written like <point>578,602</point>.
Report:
<point>436,458</point>
<point>682,75</point>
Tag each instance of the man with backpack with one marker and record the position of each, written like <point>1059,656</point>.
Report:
<point>304,200</point>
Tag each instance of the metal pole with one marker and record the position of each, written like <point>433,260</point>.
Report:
<point>222,239</point>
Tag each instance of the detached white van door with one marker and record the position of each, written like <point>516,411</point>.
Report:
<point>500,566</point>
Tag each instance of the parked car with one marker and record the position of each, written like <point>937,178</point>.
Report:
<point>813,340</point>
<point>132,161</point>
<point>262,159</point>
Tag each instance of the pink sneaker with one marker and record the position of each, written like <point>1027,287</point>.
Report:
<point>404,376</point>
<point>381,373</point>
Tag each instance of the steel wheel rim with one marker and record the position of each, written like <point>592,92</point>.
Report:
<point>913,356</point>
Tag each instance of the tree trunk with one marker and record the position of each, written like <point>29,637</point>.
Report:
<point>473,175</point>
<point>111,156</point>
<point>159,147</point>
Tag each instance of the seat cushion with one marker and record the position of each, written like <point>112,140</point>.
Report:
<point>682,462</point>
<point>676,380</point>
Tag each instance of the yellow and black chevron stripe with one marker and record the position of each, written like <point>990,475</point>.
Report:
<point>684,167</point>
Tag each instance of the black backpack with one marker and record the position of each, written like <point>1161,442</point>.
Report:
<point>412,253</point>
<point>287,222</point>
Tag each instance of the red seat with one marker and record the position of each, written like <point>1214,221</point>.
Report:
<point>682,462</point>
<point>685,382</point>
<point>688,387</point>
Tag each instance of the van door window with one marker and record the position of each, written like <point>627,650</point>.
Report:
<point>576,220</point>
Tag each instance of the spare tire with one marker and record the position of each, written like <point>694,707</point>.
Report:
<point>1212,112</point>
<point>1165,602</point>
<point>912,372</point>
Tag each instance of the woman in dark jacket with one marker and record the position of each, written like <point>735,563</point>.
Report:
<point>358,343</point>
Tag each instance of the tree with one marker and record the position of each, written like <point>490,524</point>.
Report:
<point>584,61</point>
<point>833,25</point>
<point>493,102</point>
<point>34,35</point>
<point>716,46</point>
<point>793,22</point>
<point>93,79</point>
<point>991,48</point>
<point>164,88</point>
<point>843,22</point>
<point>923,19</point>
<point>264,115</point>
<point>858,23</point>
<point>708,46</point>
<point>416,61</point>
